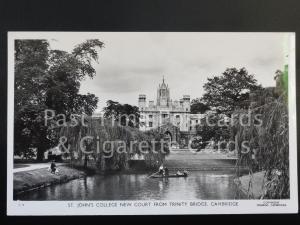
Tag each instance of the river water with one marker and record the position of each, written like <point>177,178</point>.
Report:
<point>198,185</point>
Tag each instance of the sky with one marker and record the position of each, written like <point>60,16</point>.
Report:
<point>134,63</point>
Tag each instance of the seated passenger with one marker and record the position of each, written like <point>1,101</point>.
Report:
<point>161,170</point>
<point>179,173</point>
<point>166,171</point>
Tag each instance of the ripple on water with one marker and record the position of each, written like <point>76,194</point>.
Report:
<point>198,185</point>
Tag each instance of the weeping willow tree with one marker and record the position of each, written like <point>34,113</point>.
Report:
<point>110,147</point>
<point>268,142</point>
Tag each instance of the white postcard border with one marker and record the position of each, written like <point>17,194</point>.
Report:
<point>137,208</point>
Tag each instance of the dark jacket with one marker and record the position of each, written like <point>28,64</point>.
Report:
<point>166,171</point>
<point>53,166</point>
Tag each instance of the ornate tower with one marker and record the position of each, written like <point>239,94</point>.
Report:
<point>163,95</point>
<point>186,103</point>
<point>142,102</point>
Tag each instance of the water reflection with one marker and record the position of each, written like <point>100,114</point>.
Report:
<point>198,185</point>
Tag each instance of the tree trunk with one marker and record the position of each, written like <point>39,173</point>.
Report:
<point>40,154</point>
<point>102,163</point>
<point>85,161</point>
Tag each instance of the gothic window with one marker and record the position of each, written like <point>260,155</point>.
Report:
<point>150,116</point>
<point>150,124</point>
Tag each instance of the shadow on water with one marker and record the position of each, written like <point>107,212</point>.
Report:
<point>198,185</point>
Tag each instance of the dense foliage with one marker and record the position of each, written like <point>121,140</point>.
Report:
<point>49,79</point>
<point>212,128</point>
<point>229,91</point>
<point>123,114</point>
<point>197,106</point>
<point>269,142</point>
<point>111,147</point>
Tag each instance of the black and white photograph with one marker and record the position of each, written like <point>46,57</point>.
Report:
<point>151,123</point>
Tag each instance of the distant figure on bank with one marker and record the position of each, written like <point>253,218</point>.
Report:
<point>53,167</point>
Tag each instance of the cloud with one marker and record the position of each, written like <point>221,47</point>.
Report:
<point>125,78</point>
<point>133,63</point>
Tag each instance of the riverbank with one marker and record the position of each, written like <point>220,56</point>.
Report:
<point>39,178</point>
<point>257,181</point>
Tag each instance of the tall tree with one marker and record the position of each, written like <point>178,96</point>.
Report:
<point>49,79</point>
<point>31,66</point>
<point>230,90</point>
<point>209,129</point>
<point>281,78</point>
<point>124,114</point>
<point>197,106</point>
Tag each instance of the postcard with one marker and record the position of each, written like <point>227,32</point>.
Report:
<point>147,123</point>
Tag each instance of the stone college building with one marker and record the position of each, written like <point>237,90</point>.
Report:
<point>174,118</point>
